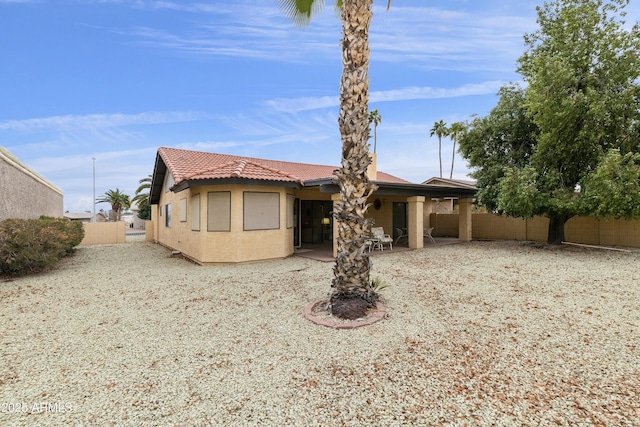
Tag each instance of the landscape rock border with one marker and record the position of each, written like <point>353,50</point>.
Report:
<point>337,323</point>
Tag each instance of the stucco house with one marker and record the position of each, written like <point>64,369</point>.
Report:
<point>219,208</point>
<point>24,193</point>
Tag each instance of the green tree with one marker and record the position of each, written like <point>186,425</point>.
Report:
<point>376,119</point>
<point>118,201</point>
<point>581,101</point>
<point>440,129</point>
<point>352,291</point>
<point>141,198</point>
<point>454,133</point>
<point>144,210</point>
<point>613,189</point>
<point>500,141</point>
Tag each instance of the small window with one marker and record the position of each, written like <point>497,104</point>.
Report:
<point>261,211</point>
<point>167,217</point>
<point>195,212</point>
<point>183,210</point>
<point>219,211</point>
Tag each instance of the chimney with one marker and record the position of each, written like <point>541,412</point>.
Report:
<point>372,170</point>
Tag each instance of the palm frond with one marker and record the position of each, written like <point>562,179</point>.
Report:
<point>300,11</point>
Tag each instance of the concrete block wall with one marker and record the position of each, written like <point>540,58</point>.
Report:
<point>590,231</point>
<point>102,233</point>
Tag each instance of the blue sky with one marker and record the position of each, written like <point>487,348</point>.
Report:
<point>116,79</point>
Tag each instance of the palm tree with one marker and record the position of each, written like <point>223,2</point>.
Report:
<point>352,291</point>
<point>439,129</point>
<point>454,132</point>
<point>145,184</point>
<point>141,198</point>
<point>118,201</point>
<point>376,119</point>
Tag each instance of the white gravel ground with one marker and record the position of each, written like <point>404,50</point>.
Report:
<point>482,333</point>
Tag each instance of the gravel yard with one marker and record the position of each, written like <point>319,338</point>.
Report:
<point>484,333</point>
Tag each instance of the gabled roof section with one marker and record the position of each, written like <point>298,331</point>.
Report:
<point>243,168</point>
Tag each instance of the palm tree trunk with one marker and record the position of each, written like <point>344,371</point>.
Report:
<point>352,268</point>
<point>375,137</point>
<point>453,158</point>
<point>440,153</point>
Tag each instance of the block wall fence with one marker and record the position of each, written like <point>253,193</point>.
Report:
<point>615,232</point>
<point>106,233</point>
<point>590,231</point>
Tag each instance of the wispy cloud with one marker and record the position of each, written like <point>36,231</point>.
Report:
<point>71,123</point>
<point>432,38</point>
<point>254,30</point>
<point>291,105</point>
<point>436,38</point>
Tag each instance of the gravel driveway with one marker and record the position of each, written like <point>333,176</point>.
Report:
<point>484,333</point>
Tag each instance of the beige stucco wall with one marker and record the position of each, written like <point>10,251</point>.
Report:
<point>383,217</point>
<point>590,231</point>
<point>148,231</point>
<point>102,233</point>
<point>234,246</point>
<point>24,193</point>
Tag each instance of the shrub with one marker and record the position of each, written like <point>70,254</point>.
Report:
<point>34,245</point>
<point>70,233</point>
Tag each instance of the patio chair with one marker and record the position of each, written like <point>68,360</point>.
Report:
<point>401,234</point>
<point>427,233</point>
<point>382,238</point>
<point>370,244</point>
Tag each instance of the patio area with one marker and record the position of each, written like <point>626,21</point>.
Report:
<point>324,252</point>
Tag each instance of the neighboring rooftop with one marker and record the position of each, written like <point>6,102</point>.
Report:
<point>461,183</point>
<point>78,215</point>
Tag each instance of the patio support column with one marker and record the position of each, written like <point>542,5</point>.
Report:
<point>464,220</point>
<point>336,199</point>
<point>415,212</point>
<point>426,213</point>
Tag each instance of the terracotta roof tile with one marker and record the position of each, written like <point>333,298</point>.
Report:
<point>243,168</point>
<point>194,165</point>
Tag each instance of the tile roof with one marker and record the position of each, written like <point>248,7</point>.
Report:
<point>196,165</point>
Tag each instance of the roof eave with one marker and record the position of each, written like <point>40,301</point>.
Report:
<point>190,183</point>
<point>157,178</point>
<point>408,190</point>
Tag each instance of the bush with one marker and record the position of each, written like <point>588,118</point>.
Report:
<point>33,245</point>
<point>70,233</point>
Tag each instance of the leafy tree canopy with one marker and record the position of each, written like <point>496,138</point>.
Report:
<point>541,150</point>
<point>613,189</point>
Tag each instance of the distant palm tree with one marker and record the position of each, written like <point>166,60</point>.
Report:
<point>141,198</point>
<point>454,132</point>
<point>440,129</point>
<point>118,201</point>
<point>376,119</point>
